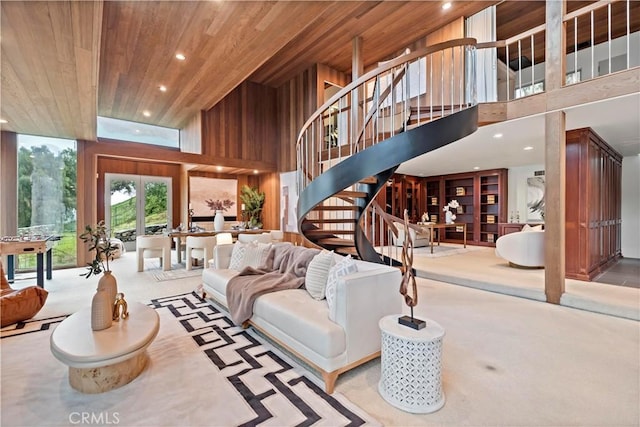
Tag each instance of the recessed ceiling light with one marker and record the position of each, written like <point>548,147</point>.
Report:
<point>255,171</point>
<point>219,168</point>
<point>527,148</point>
<point>446,5</point>
<point>146,113</point>
<point>180,57</point>
<point>497,135</point>
<point>475,168</point>
<point>3,121</point>
<point>137,130</point>
<point>162,88</point>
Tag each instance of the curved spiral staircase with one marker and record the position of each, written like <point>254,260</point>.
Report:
<point>352,145</point>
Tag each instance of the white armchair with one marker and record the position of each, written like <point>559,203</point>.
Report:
<point>199,247</point>
<point>420,236</point>
<point>522,249</point>
<point>154,247</point>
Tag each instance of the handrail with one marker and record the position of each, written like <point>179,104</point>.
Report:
<point>385,67</point>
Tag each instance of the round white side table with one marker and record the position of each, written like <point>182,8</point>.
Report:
<point>411,360</point>
<point>100,361</point>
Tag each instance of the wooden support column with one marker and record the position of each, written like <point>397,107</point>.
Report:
<point>555,157</point>
<point>554,218</point>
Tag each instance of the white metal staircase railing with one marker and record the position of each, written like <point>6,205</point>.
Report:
<point>383,107</point>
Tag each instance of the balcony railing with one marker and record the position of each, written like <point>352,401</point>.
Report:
<point>601,38</point>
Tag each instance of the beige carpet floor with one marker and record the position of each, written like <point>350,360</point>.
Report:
<point>507,361</point>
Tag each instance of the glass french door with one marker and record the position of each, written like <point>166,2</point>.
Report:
<point>137,205</point>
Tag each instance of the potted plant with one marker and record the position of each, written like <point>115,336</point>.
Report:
<point>253,200</point>
<point>98,240</point>
<point>103,301</point>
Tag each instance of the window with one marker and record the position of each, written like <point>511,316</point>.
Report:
<point>47,196</point>
<point>137,132</point>
<point>529,90</point>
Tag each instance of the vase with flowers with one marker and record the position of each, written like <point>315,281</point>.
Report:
<point>219,206</point>
<point>102,303</point>
<point>449,216</point>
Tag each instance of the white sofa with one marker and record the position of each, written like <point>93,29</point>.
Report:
<point>522,249</point>
<point>301,324</point>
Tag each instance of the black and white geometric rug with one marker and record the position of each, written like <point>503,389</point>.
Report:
<point>253,368</point>
<point>202,371</point>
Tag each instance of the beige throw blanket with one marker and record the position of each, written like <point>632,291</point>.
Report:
<point>285,268</point>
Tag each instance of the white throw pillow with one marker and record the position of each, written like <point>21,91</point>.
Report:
<point>255,254</point>
<point>345,266</point>
<point>526,227</point>
<point>237,256</point>
<point>317,273</point>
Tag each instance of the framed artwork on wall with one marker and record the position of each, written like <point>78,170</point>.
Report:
<point>202,189</point>
<point>288,202</point>
<point>535,198</point>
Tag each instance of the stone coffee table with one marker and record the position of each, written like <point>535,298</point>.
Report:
<point>100,361</point>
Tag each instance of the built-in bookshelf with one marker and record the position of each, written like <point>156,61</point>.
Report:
<point>490,207</point>
<point>461,188</point>
<point>433,207</point>
<point>482,197</point>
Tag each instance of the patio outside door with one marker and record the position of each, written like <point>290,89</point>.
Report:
<point>136,205</point>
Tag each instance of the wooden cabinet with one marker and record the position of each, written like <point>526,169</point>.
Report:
<point>593,204</point>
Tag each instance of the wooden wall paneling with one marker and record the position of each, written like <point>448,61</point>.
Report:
<point>8,183</point>
<point>440,85</point>
<point>191,135</point>
<point>297,100</point>
<point>270,185</point>
<point>243,126</point>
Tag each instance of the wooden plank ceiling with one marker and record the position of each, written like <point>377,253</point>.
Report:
<point>64,62</point>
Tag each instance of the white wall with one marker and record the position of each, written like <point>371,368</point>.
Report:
<point>631,207</point>
<point>517,188</point>
<point>517,183</point>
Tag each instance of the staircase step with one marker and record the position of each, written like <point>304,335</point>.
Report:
<point>369,180</point>
<point>328,233</point>
<point>335,241</point>
<point>349,193</point>
<point>337,208</point>
<point>331,220</point>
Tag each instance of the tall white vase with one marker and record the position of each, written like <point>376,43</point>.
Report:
<point>218,221</point>
<point>110,285</point>
<point>449,217</point>
<point>101,310</point>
